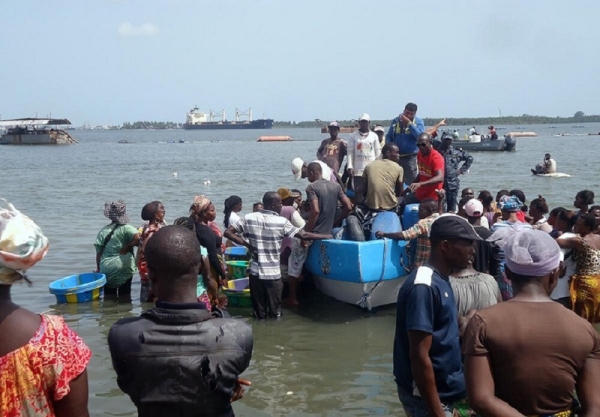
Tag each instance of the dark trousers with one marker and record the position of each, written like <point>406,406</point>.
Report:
<point>451,196</point>
<point>266,297</point>
<point>124,289</point>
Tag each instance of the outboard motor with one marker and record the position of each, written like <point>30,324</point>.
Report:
<point>510,143</point>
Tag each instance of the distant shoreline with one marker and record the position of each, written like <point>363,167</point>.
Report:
<point>523,120</point>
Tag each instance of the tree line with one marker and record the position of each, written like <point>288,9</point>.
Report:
<point>524,119</point>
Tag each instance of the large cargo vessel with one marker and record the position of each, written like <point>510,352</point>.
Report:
<point>196,119</point>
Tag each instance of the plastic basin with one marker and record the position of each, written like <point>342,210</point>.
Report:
<point>237,253</point>
<point>237,269</point>
<point>79,288</point>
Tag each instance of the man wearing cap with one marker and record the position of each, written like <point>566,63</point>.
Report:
<point>427,358</point>
<point>333,149</point>
<point>487,254</point>
<point>492,133</point>
<point>452,169</point>
<point>431,173</point>
<point>299,170</point>
<point>263,233</point>
<point>363,147</point>
<point>380,132</point>
<point>404,132</point>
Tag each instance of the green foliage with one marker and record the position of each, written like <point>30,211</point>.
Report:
<point>151,125</point>
<point>525,119</point>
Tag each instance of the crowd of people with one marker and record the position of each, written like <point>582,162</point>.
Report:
<point>481,329</point>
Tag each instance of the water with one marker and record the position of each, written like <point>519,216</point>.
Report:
<point>334,358</point>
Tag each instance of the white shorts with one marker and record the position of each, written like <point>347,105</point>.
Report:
<point>297,259</point>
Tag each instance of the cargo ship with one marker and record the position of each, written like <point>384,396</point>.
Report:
<point>197,119</point>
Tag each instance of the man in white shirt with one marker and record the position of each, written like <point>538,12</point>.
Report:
<point>299,169</point>
<point>363,147</point>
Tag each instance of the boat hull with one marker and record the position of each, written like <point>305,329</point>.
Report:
<point>368,274</point>
<point>255,124</point>
<point>46,137</point>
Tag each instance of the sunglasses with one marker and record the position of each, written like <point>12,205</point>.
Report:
<point>422,145</point>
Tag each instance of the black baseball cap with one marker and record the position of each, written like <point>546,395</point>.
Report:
<point>451,226</point>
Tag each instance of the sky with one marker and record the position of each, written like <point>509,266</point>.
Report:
<point>115,61</point>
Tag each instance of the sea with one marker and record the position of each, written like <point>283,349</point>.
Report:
<point>325,358</point>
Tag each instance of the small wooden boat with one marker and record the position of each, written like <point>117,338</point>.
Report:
<point>274,139</point>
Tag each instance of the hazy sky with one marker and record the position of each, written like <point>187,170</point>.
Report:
<point>110,61</point>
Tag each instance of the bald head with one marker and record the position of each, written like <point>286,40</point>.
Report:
<point>272,201</point>
<point>173,257</point>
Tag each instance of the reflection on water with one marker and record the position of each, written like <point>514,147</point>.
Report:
<point>326,358</point>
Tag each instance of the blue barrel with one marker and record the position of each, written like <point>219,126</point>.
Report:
<point>410,216</point>
<point>387,222</point>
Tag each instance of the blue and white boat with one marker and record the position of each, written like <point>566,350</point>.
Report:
<point>368,274</point>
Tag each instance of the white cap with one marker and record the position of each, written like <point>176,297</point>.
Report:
<point>297,165</point>
<point>364,116</point>
<point>379,129</point>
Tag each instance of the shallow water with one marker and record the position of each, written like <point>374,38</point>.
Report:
<point>333,358</point>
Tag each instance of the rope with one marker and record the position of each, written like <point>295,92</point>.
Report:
<point>365,297</point>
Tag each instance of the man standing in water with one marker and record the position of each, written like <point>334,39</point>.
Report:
<point>427,359</point>
<point>404,132</point>
<point>264,232</point>
<point>333,149</point>
<point>452,169</point>
<point>178,358</point>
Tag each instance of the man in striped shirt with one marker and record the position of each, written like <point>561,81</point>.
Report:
<point>263,232</point>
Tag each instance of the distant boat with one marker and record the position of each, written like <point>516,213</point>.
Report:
<point>196,119</point>
<point>484,143</point>
<point>343,129</point>
<point>125,141</point>
<point>35,131</point>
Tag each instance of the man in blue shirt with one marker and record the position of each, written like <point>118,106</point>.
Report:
<point>427,358</point>
<point>404,132</point>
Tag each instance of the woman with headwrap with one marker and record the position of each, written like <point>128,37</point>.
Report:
<point>42,361</point>
<point>114,250</point>
<point>510,206</point>
<point>528,356</point>
<point>585,284</point>
<point>154,214</point>
<point>203,212</point>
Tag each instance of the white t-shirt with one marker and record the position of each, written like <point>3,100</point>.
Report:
<point>562,288</point>
<point>327,172</point>
<point>362,150</point>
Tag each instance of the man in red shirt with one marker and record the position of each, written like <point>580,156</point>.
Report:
<point>430,178</point>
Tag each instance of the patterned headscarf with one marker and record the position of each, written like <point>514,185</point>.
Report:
<point>22,244</point>
<point>201,202</point>
<point>116,211</point>
<point>510,203</point>
<point>528,252</point>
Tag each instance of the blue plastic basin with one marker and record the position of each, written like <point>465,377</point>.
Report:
<point>78,288</point>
